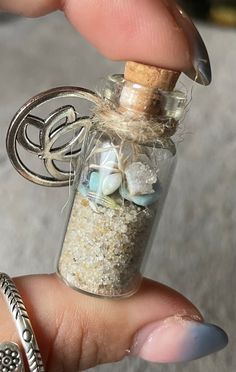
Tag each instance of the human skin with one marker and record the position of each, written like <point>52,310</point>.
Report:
<point>149,26</point>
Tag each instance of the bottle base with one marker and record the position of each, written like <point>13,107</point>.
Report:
<point>114,296</point>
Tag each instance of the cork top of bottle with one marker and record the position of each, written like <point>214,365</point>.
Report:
<point>151,76</point>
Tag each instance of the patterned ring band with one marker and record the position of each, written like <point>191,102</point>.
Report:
<point>26,333</point>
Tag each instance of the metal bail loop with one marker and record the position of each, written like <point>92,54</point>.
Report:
<point>59,123</point>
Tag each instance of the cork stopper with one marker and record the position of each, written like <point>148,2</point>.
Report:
<point>140,92</point>
<point>151,76</point>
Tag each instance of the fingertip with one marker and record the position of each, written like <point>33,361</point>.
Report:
<point>144,31</point>
<point>177,339</point>
<point>30,8</point>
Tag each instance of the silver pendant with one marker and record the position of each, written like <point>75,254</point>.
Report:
<point>58,123</point>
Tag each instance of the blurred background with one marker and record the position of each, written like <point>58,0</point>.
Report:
<point>194,249</point>
<point>222,12</point>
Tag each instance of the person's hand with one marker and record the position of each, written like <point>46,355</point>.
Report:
<point>155,32</point>
<point>75,331</point>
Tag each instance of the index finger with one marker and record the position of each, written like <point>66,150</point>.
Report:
<point>144,31</point>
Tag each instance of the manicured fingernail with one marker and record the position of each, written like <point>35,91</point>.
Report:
<point>201,68</point>
<point>176,339</point>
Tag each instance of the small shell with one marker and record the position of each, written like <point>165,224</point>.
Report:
<point>111,183</point>
<point>110,165</point>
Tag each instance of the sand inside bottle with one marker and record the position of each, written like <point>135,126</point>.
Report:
<point>104,247</point>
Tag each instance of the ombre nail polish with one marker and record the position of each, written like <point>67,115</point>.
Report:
<point>176,339</point>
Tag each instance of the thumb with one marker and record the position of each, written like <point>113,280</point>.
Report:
<point>76,332</point>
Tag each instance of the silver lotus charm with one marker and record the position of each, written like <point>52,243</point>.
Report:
<point>57,125</point>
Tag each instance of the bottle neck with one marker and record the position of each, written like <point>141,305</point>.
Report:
<point>136,99</point>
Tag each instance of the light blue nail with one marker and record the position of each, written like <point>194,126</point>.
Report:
<point>203,339</point>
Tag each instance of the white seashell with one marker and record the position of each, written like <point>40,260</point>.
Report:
<point>140,178</point>
<point>108,155</point>
<point>111,183</point>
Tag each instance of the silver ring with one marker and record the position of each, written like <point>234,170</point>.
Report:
<point>25,330</point>
<point>10,358</point>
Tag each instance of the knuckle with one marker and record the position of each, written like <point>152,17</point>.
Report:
<point>65,344</point>
<point>74,346</point>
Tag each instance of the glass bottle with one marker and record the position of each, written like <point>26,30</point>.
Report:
<point>119,191</point>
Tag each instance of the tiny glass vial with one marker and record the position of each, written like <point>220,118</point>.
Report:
<point>120,188</point>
